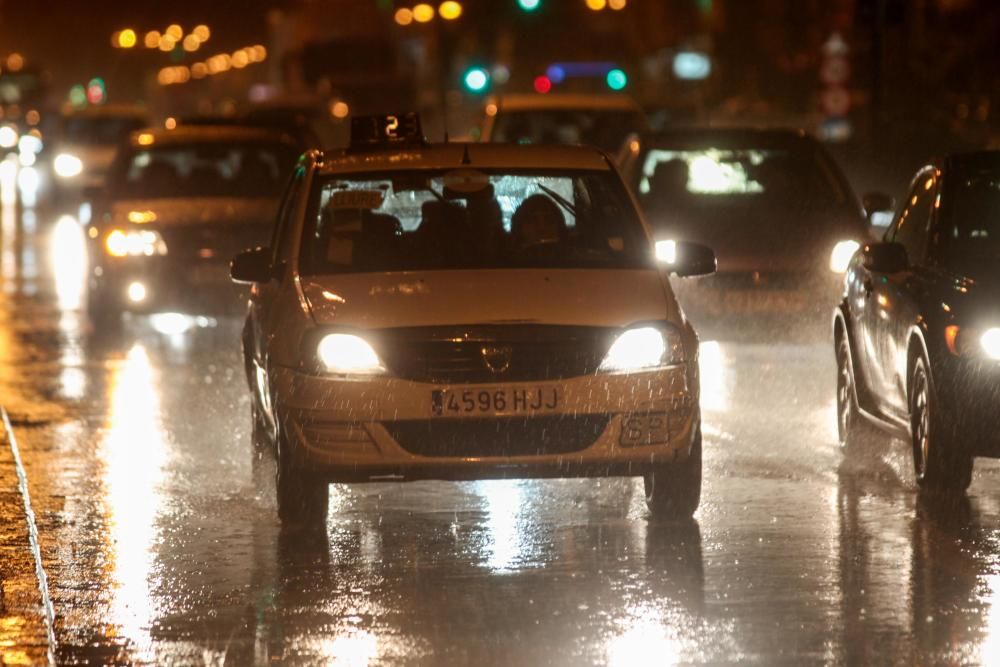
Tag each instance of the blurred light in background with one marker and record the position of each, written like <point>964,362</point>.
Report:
<point>171,122</point>
<point>28,181</point>
<point>145,139</point>
<point>423,13</point>
<point>78,95</point>
<point>616,79</point>
<point>191,43</point>
<point>67,166</point>
<point>339,109</point>
<point>167,43</point>
<point>175,31</point>
<point>476,79</point>
<point>15,62</point>
<point>597,5</point>
<point>529,5</point>
<point>692,66</point>
<point>8,137</point>
<point>96,91</point>
<point>152,39</point>
<point>127,38</point>
<point>491,109</point>
<point>617,4</point>
<point>543,84</point>
<point>450,10</point>
<point>500,74</point>
<point>201,32</point>
<point>404,16</point>
<point>69,260</point>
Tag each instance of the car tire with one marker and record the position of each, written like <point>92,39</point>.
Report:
<point>673,490</point>
<point>939,461</point>
<point>853,432</point>
<point>303,499</point>
<point>262,446</point>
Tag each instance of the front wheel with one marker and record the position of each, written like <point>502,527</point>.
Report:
<point>852,431</point>
<point>673,490</point>
<point>302,498</point>
<point>939,461</point>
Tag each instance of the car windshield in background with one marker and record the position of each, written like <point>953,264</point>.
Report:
<point>972,224</point>
<point>430,220</point>
<point>206,170</point>
<point>770,178</point>
<point>604,129</point>
<point>99,131</point>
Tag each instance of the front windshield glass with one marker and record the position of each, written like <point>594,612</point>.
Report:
<point>206,170</point>
<point>972,224</point>
<point>605,129</point>
<point>685,180</point>
<point>431,220</point>
<point>99,131</point>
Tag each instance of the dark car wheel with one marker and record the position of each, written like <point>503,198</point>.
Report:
<point>262,443</point>
<point>852,430</point>
<point>302,498</point>
<point>673,490</point>
<point>938,458</point>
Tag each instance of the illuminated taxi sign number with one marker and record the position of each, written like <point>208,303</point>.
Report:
<point>387,130</point>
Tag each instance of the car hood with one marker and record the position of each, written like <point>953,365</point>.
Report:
<point>194,210</point>
<point>580,297</point>
<point>756,239</point>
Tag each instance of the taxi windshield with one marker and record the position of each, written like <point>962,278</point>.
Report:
<point>463,219</point>
<point>207,169</point>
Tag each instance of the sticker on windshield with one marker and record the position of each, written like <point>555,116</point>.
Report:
<point>366,199</point>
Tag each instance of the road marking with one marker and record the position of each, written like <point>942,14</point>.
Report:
<point>43,582</point>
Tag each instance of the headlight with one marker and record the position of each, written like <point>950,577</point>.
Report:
<point>67,166</point>
<point>643,348</point>
<point>842,254</point>
<point>990,342</point>
<point>962,341</point>
<point>8,137</point>
<point>348,354</point>
<point>136,243</point>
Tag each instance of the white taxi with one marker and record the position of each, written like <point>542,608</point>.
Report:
<point>468,311</point>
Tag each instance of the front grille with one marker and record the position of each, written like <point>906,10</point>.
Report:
<point>512,436</point>
<point>513,353</point>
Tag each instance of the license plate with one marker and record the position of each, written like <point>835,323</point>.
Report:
<point>495,401</point>
<point>647,428</point>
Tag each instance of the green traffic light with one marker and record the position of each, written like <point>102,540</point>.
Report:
<point>529,5</point>
<point>476,79</point>
<point>617,79</point>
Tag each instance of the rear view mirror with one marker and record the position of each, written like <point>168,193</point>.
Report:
<point>879,208</point>
<point>685,258</point>
<point>884,257</point>
<point>251,266</point>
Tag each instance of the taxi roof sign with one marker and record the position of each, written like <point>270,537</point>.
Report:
<point>387,130</point>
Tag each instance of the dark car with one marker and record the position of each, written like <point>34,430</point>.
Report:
<point>917,334</point>
<point>178,204</point>
<point>773,204</point>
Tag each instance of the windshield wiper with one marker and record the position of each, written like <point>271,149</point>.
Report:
<point>558,197</point>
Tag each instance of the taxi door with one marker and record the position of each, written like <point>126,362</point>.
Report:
<point>896,297</point>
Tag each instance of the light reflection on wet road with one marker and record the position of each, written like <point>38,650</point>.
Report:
<point>159,548</point>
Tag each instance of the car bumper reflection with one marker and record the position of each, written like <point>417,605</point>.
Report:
<point>604,425</point>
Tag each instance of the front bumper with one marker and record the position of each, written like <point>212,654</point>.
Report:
<point>384,428</point>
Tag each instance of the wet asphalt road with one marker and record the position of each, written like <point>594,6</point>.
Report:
<point>158,547</point>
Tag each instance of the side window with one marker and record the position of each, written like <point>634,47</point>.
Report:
<point>289,201</point>
<point>911,227</point>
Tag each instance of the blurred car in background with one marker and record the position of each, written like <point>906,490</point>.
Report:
<point>917,334</point>
<point>600,120</point>
<point>775,207</point>
<point>506,298</point>
<point>84,147</point>
<point>178,204</point>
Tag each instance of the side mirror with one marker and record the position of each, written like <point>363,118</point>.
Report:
<point>685,258</point>
<point>251,266</point>
<point>879,209</point>
<point>884,257</point>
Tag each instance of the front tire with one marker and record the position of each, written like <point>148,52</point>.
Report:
<point>673,490</point>
<point>852,430</point>
<point>302,498</point>
<point>939,461</point>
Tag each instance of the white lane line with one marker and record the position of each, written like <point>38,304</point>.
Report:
<point>43,582</point>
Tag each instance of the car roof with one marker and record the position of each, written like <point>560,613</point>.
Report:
<point>106,111</point>
<point>605,102</point>
<point>723,137</point>
<point>457,155</point>
<point>188,134</point>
